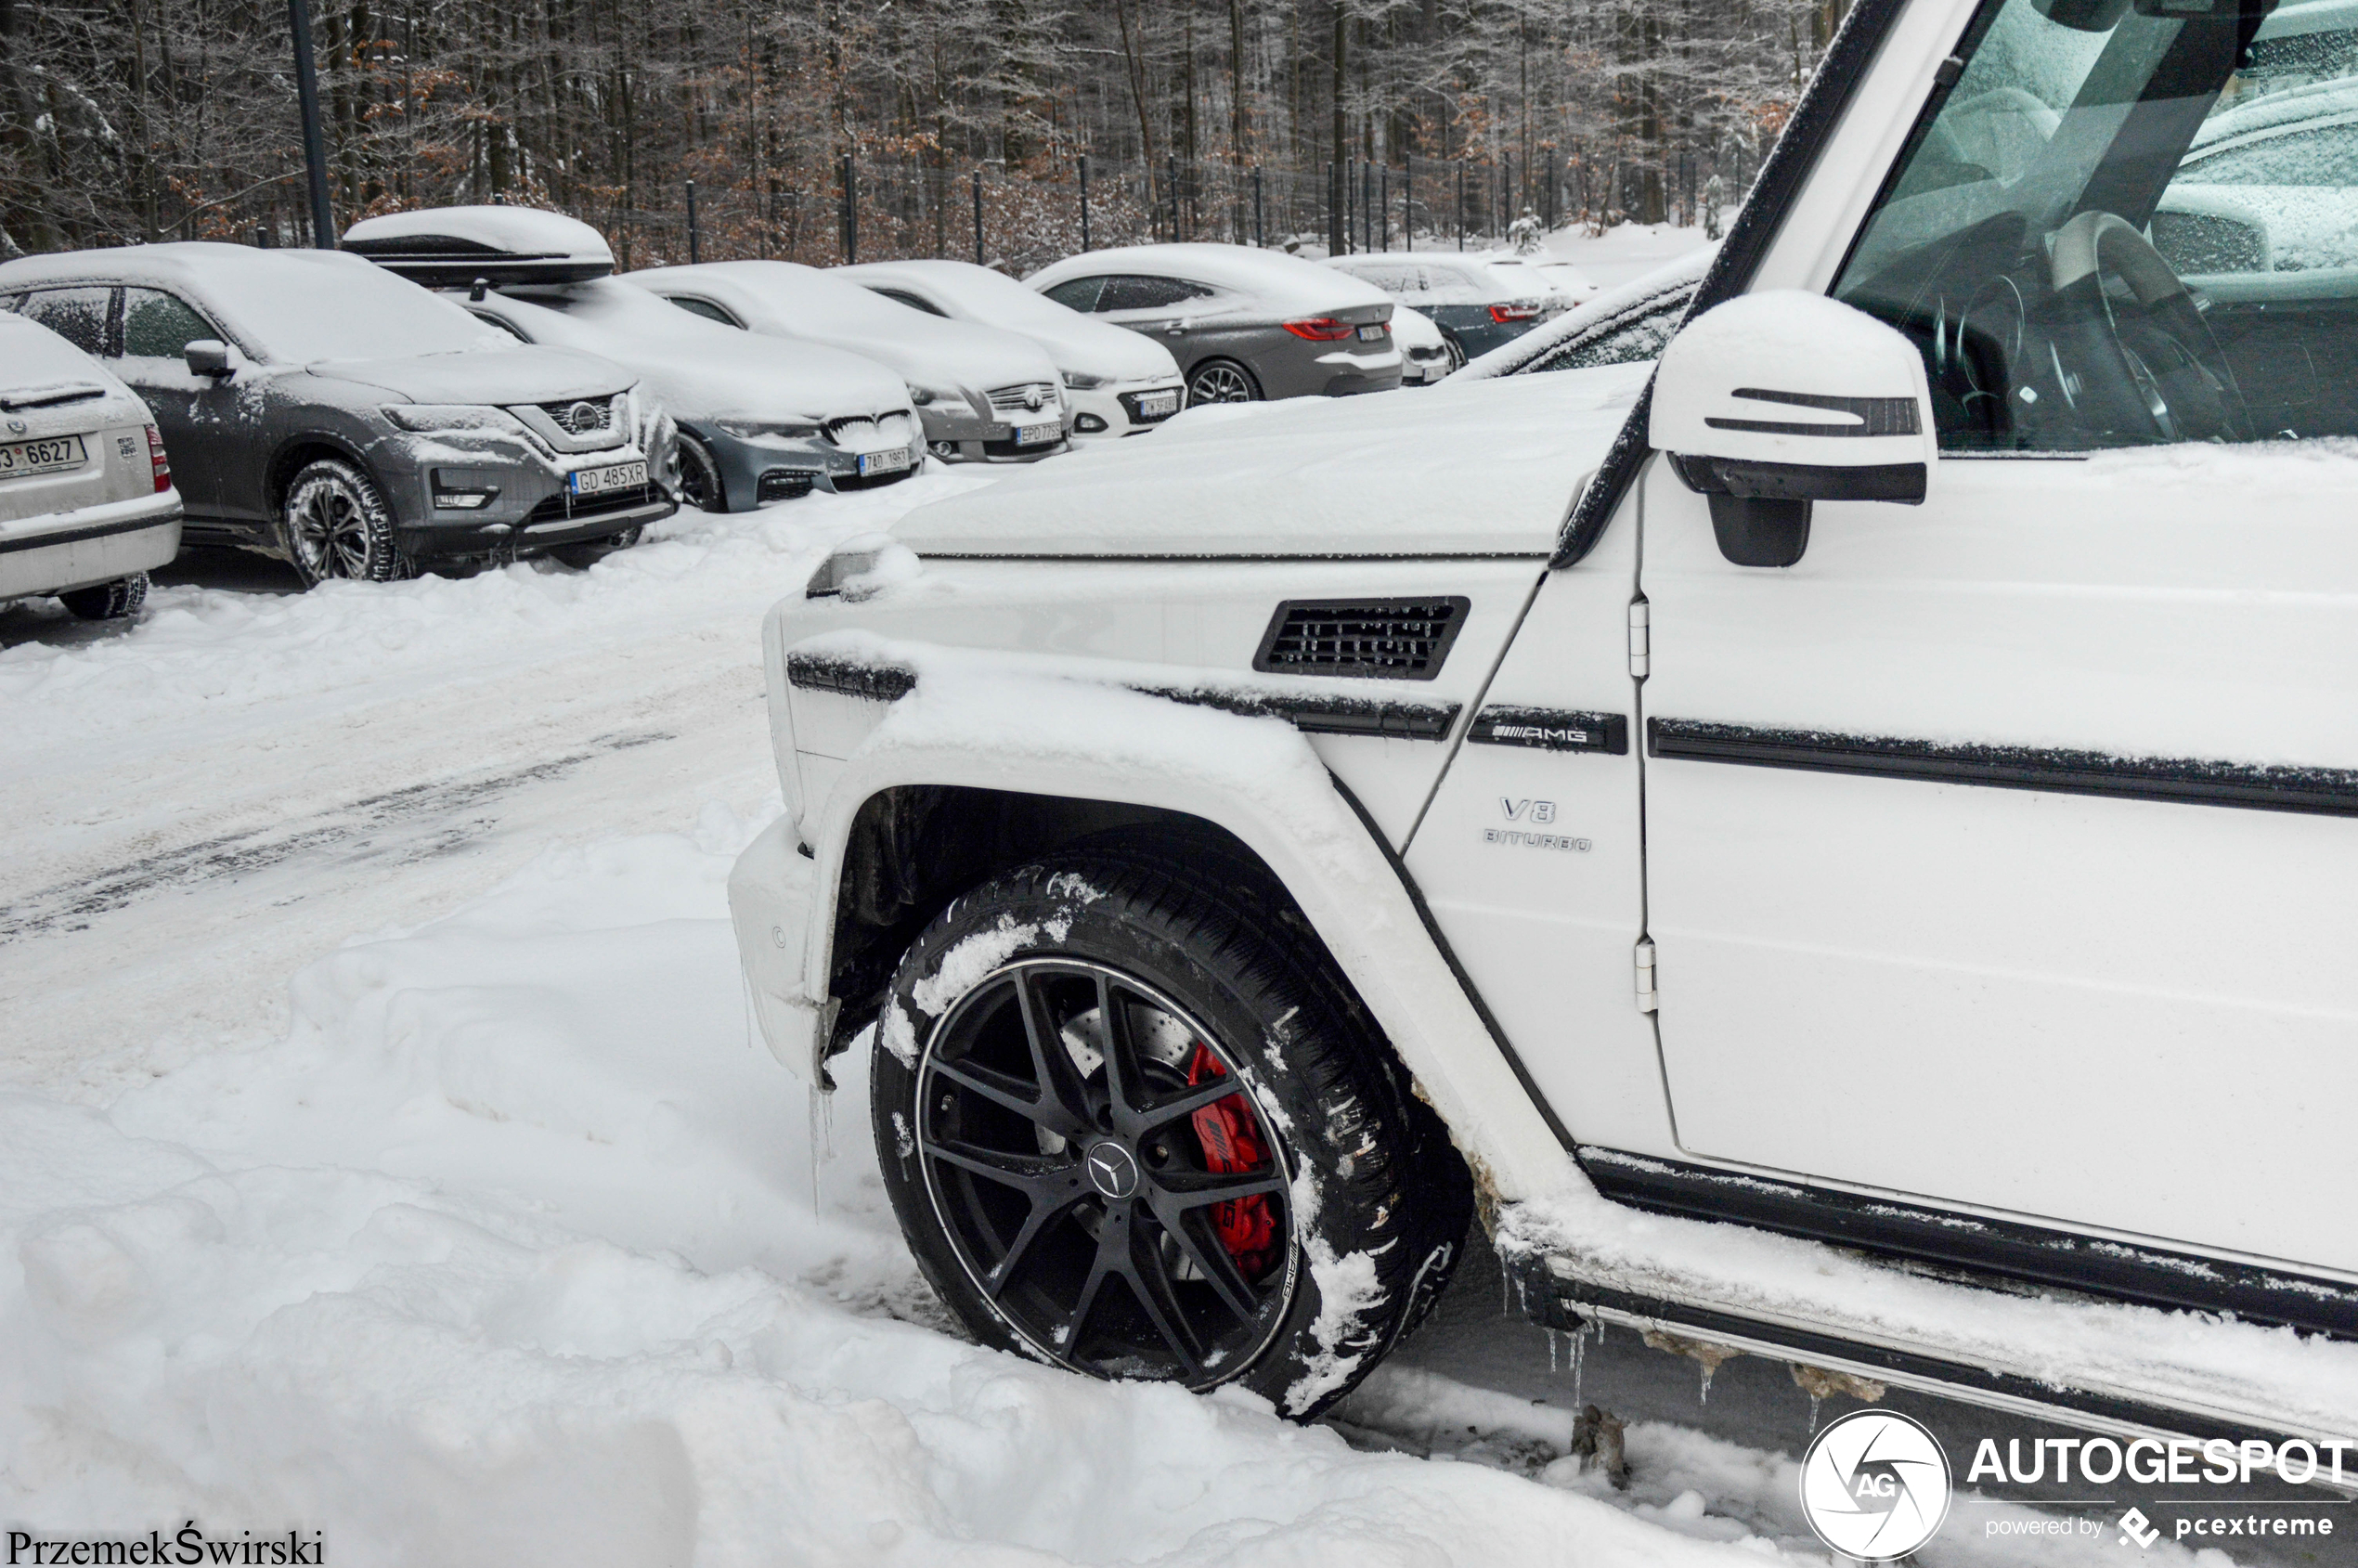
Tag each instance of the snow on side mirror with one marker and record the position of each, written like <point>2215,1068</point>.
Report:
<point>1774,400</point>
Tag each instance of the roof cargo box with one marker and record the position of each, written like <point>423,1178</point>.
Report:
<point>450,246</point>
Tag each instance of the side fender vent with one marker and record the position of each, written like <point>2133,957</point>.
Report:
<point>1379,639</point>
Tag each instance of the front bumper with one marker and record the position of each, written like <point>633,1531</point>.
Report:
<point>1108,413</point>
<point>530,508</point>
<point>759,470</point>
<point>960,434</point>
<point>63,550</point>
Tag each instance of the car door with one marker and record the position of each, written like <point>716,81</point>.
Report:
<point>1999,849</point>
<point>207,429</point>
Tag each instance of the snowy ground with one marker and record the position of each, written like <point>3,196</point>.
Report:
<point>383,1149</point>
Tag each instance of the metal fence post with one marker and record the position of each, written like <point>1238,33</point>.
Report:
<point>1461,203</point>
<point>977,217</point>
<point>695,250</point>
<point>315,148</point>
<point>1260,238</point>
<point>1084,202</point>
<point>850,214</point>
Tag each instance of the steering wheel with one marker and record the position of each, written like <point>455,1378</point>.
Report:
<point>2159,368</point>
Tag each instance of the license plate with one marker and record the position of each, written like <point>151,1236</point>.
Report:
<point>1154,404</point>
<point>884,463</point>
<point>1038,434</point>
<point>598,480</point>
<point>1372,334</point>
<point>20,459</point>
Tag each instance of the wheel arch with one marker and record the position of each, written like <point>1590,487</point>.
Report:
<point>904,830</point>
<point>298,452</point>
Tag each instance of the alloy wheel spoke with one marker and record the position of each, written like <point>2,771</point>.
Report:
<point>1187,1102</point>
<point>1045,1211</point>
<point>1060,1080</point>
<point>1124,1078</point>
<point>1113,1241</point>
<point>1193,1189</point>
<point>1000,1090</point>
<point>1035,1175</point>
<point>1150,1280</point>
<point>1218,1268</point>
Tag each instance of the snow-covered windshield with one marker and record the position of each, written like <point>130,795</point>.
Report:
<point>297,309</point>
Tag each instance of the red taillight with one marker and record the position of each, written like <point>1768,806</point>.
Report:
<point>157,460</point>
<point>1505,313</point>
<point>1320,329</point>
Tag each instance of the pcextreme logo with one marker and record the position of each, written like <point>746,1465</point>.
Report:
<point>1874,1486</point>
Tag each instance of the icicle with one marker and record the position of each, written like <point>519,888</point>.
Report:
<point>1708,1369</point>
<point>816,1112</point>
<point>1579,1361</point>
<point>1814,1403</point>
<point>1551,1353</point>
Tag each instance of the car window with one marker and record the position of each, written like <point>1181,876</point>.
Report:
<point>79,316</point>
<point>1137,291</point>
<point>157,326</point>
<point>2136,229</point>
<point>502,323</point>
<point>1627,342</point>
<point>705,308</point>
<point>912,301</point>
<point>1078,294</point>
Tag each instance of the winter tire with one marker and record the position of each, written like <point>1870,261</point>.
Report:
<point>1133,1124</point>
<point>1222,381</point>
<point>1457,352</point>
<point>700,482</point>
<point>335,524</point>
<point>116,601</point>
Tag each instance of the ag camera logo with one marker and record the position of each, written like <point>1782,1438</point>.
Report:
<point>1874,1486</point>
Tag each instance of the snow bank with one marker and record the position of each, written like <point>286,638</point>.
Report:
<point>508,1252</point>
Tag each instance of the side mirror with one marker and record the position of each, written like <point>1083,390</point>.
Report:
<point>208,357</point>
<point>1774,400</point>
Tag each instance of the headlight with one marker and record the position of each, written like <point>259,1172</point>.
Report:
<point>789,430</point>
<point>449,416</point>
<point>1081,381</point>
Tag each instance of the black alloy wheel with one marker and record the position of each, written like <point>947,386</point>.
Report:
<point>334,522</point>
<point>1456,351</point>
<point>1102,1177</point>
<point>1222,381</point>
<point>700,482</point>
<point>1135,1124</point>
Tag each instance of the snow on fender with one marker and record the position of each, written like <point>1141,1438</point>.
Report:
<point>1795,380</point>
<point>771,892</point>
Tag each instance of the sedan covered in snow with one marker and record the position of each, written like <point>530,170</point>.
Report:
<point>1118,383</point>
<point>87,501</point>
<point>319,408</point>
<point>1244,324</point>
<point>1479,304</point>
<point>983,396</point>
<point>761,419</point>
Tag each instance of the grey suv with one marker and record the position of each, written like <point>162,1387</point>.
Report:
<point>319,408</point>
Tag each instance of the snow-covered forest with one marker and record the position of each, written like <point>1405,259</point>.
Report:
<point>1336,121</point>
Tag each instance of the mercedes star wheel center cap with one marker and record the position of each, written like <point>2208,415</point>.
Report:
<point>1112,1171</point>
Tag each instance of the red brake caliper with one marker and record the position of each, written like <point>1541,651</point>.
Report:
<point>1232,1143</point>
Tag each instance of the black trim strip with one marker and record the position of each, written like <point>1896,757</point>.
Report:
<point>1550,729</point>
<point>2177,1281</point>
<point>1876,416</point>
<point>10,544</point>
<point>1382,718</point>
<point>2181,781</point>
<point>1457,970</point>
<point>1805,134</point>
<point>1558,1303</point>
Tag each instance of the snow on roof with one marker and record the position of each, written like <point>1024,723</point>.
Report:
<point>1388,473</point>
<point>1286,280</point>
<point>1681,273</point>
<point>516,230</point>
<point>1076,342</point>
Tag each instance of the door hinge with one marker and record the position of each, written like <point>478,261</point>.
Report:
<point>1647,997</point>
<point>1640,638</point>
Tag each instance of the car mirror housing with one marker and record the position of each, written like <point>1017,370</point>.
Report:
<point>1775,401</point>
<point>210,356</point>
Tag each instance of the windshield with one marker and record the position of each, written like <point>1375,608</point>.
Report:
<point>300,310</point>
<point>2131,221</point>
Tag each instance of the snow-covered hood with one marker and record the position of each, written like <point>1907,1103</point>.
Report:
<point>1488,470</point>
<point>522,373</point>
<point>1258,282</point>
<point>700,369</point>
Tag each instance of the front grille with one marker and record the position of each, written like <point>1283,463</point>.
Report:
<point>584,416</point>
<point>564,504</point>
<point>1025,398</point>
<point>1385,638</point>
<point>784,484</point>
<point>1131,400</point>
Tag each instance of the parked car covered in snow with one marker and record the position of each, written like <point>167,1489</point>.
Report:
<point>86,500</point>
<point>982,395</point>
<point>319,408</point>
<point>761,419</point>
<point>1425,356</point>
<point>1844,843</point>
<point>1116,383</point>
<point>1623,326</point>
<point>1478,304</point>
<point>1244,324</point>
